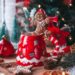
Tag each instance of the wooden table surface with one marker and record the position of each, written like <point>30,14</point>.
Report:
<point>6,71</point>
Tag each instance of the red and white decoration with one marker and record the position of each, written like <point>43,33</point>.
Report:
<point>6,48</point>
<point>59,49</point>
<point>58,38</point>
<point>30,50</point>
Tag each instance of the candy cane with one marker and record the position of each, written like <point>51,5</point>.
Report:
<point>54,41</point>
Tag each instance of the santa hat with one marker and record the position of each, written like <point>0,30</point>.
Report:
<point>6,48</point>
<point>40,10</point>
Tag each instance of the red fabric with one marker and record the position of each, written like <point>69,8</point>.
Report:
<point>53,29</point>
<point>6,48</point>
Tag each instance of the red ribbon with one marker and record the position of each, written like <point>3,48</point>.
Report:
<point>54,19</point>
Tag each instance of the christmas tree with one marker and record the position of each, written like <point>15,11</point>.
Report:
<point>17,31</point>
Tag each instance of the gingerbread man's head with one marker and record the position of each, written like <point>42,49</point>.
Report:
<point>40,15</point>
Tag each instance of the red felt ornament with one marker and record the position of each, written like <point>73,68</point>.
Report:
<point>6,48</point>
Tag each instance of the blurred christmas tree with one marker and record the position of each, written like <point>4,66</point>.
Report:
<point>17,31</point>
<point>4,31</point>
<point>52,8</point>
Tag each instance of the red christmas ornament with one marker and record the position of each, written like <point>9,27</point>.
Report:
<point>26,3</point>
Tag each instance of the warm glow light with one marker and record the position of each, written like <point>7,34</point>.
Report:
<point>2,74</point>
<point>62,19</point>
<point>70,38</point>
<point>70,4</point>
<point>65,25</point>
<point>57,12</point>
<point>39,5</point>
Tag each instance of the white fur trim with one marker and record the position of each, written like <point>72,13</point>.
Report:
<point>25,60</point>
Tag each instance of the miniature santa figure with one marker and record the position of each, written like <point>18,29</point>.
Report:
<point>31,47</point>
<point>6,48</point>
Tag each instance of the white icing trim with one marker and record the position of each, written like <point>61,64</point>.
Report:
<point>25,60</point>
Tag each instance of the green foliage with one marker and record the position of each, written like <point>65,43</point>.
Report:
<point>69,61</point>
<point>16,31</point>
<point>2,31</point>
